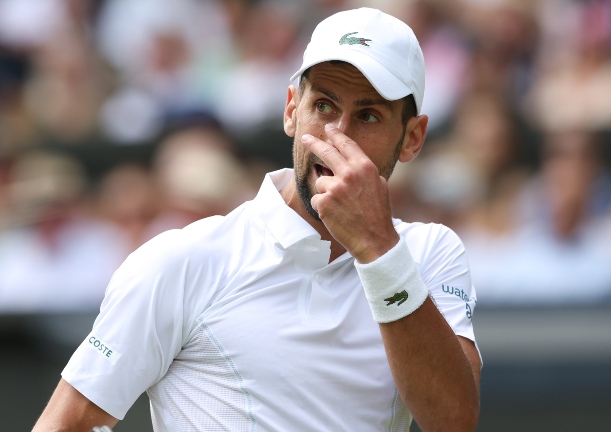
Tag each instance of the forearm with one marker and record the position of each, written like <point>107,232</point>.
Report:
<point>431,371</point>
<point>70,411</point>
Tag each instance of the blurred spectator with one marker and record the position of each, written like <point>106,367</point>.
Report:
<point>66,82</point>
<point>557,250</point>
<point>574,186</point>
<point>446,56</point>
<point>573,90</point>
<point>152,40</point>
<point>154,47</point>
<point>53,258</point>
<point>254,92</point>
<point>504,35</point>
<point>455,176</point>
<point>67,88</point>
<point>17,127</point>
<point>129,199</point>
<point>198,177</point>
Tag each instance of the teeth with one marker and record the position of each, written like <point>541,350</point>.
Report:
<point>326,171</point>
<point>323,171</point>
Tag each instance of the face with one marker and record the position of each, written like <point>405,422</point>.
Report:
<point>339,94</point>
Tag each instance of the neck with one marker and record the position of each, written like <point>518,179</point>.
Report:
<point>293,200</point>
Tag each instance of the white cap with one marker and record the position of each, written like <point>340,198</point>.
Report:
<point>381,46</point>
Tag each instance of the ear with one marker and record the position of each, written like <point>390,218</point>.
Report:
<point>415,133</point>
<point>290,111</point>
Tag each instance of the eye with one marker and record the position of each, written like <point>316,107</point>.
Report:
<point>369,118</point>
<point>323,107</point>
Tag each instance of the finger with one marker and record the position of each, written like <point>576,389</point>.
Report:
<point>324,183</point>
<point>347,147</point>
<point>326,152</point>
<point>314,201</point>
<point>320,204</point>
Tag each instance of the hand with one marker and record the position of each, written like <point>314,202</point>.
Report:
<point>354,203</point>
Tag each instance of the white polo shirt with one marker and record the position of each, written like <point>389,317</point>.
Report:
<point>240,323</point>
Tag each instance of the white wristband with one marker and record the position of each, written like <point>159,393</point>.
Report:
<point>393,286</point>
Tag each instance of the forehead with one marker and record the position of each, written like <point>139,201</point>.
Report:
<point>343,82</point>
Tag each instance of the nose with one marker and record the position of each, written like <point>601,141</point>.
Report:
<point>342,123</point>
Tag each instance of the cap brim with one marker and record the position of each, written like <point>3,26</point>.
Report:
<point>386,84</point>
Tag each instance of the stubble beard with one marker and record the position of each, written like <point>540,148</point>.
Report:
<point>303,188</point>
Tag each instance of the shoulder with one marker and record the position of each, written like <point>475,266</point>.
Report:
<point>444,267</point>
<point>179,272</point>
<point>204,242</point>
<point>178,263</point>
<point>426,240</point>
<point>438,252</point>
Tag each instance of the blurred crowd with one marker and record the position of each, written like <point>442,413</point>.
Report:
<point>120,119</point>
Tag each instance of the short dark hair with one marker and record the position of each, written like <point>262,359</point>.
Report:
<point>409,103</point>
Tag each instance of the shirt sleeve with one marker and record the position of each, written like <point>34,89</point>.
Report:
<point>445,270</point>
<point>138,331</point>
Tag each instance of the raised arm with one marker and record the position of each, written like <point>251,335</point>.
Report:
<point>436,372</point>
<point>70,411</point>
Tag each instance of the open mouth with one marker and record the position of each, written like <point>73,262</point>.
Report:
<point>322,170</point>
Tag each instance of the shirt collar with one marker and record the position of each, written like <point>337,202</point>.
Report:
<point>284,223</point>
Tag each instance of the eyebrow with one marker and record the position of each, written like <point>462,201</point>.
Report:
<point>370,102</point>
<point>328,93</point>
<point>358,103</point>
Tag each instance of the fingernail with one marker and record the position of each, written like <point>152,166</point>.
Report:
<point>306,138</point>
<point>329,126</point>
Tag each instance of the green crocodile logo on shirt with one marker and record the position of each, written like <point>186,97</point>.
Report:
<point>345,40</point>
<point>398,297</point>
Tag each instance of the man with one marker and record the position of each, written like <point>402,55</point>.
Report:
<point>262,320</point>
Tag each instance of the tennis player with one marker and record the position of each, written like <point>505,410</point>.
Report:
<point>308,308</point>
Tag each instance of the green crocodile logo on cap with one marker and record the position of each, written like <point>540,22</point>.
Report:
<point>345,40</point>
<point>398,297</point>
